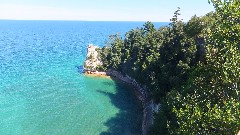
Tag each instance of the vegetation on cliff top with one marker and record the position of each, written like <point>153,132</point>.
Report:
<point>192,69</point>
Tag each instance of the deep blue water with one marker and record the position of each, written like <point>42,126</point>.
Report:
<point>41,90</point>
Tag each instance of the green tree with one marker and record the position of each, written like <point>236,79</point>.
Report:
<point>116,44</point>
<point>191,68</point>
<point>177,54</point>
<point>210,103</point>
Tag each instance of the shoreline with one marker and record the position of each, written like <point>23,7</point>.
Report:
<point>136,93</point>
<point>97,74</point>
<point>139,91</point>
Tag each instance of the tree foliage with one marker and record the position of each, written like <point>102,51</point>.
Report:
<point>192,69</point>
<point>210,102</point>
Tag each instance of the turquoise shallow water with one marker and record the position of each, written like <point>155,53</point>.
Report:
<point>41,90</point>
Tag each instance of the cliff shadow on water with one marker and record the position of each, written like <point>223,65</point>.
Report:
<point>129,118</point>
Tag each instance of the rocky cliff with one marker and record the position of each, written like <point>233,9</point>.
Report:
<point>142,95</point>
<point>92,59</point>
<point>90,65</point>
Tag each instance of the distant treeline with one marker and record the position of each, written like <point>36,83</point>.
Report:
<point>192,69</point>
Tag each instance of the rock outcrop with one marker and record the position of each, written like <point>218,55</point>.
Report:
<point>92,59</point>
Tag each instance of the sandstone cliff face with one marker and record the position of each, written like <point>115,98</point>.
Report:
<point>92,60</point>
<point>148,105</point>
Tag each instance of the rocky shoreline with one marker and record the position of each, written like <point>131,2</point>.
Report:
<point>92,61</point>
<point>142,95</point>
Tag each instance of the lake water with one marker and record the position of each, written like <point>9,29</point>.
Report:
<point>42,91</point>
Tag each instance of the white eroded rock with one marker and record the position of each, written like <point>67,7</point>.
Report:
<point>92,59</point>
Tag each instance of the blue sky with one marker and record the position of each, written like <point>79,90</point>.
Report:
<point>102,10</point>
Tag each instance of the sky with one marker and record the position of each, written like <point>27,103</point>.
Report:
<point>102,10</point>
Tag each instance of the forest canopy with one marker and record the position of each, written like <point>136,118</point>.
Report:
<point>192,69</point>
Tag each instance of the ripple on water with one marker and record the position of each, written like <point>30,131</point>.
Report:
<point>41,90</point>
